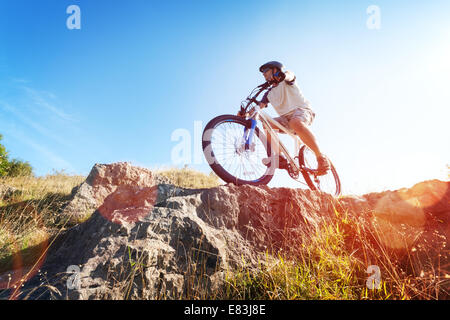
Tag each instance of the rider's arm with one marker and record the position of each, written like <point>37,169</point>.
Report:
<point>262,105</point>
<point>290,77</point>
<point>265,100</point>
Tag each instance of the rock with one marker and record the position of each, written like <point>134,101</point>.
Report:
<point>162,255</point>
<point>147,239</point>
<point>102,181</point>
<point>412,224</point>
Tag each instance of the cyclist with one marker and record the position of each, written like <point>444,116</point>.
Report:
<point>294,112</point>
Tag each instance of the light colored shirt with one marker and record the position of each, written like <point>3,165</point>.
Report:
<point>287,96</point>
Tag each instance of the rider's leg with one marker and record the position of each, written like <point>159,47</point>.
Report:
<point>305,135</point>
<point>310,140</point>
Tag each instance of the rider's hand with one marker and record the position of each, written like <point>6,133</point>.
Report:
<point>262,105</point>
<point>240,114</point>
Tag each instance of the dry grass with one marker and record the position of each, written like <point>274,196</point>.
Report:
<point>332,263</point>
<point>189,178</point>
<point>30,213</point>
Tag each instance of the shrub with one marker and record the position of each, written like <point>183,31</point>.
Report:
<point>19,168</point>
<point>13,168</point>
<point>4,164</point>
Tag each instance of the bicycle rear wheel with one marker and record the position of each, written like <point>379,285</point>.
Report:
<point>230,158</point>
<point>329,183</point>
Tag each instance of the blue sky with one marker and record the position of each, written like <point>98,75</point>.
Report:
<point>138,70</point>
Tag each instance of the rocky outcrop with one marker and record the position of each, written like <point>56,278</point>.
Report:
<point>146,239</point>
<point>411,224</point>
<point>102,181</point>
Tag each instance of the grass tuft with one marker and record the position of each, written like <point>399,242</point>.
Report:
<point>190,178</point>
<point>333,263</point>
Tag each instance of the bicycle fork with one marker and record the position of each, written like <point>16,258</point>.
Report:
<point>248,134</point>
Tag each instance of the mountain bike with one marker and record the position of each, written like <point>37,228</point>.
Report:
<point>235,146</point>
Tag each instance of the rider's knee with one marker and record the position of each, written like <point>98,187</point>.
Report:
<point>296,123</point>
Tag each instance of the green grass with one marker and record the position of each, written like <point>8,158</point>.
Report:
<point>325,265</point>
<point>317,267</point>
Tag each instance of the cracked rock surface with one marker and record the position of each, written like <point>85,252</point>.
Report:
<point>143,238</point>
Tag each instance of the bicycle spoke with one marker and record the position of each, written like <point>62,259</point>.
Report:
<point>329,182</point>
<point>228,146</point>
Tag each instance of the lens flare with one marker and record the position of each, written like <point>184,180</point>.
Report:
<point>401,215</point>
<point>396,236</point>
<point>398,221</point>
<point>25,264</point>
<point>397,210</point>
<point>128,203</point>
<point>427,194</point>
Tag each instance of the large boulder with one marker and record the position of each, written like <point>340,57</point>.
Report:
<point>411,224</point>
<point>145,238</point>
<point>104,180</point>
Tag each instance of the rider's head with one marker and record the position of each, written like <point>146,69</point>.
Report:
<point>273,71</point>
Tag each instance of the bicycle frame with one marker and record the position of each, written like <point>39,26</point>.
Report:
<point>266,121</point>
<point>243,150</point>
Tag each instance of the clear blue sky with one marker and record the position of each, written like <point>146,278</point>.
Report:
<point>137,70</point>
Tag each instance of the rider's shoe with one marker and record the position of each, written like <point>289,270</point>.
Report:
<point>282,162</point>
<point>323,165</point>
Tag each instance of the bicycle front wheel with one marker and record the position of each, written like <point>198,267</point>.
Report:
<point>230,157</point>
<point>329,183</point>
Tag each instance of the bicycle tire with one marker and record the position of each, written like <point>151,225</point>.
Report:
<point>218,167</point>
<point>307,176</point>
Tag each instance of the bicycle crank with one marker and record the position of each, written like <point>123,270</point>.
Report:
<point>293,172</point>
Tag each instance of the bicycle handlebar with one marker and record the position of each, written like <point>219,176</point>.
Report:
<point>265,85</point>
<point>251,100</point>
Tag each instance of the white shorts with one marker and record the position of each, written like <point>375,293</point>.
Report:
<point>306,116</point>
